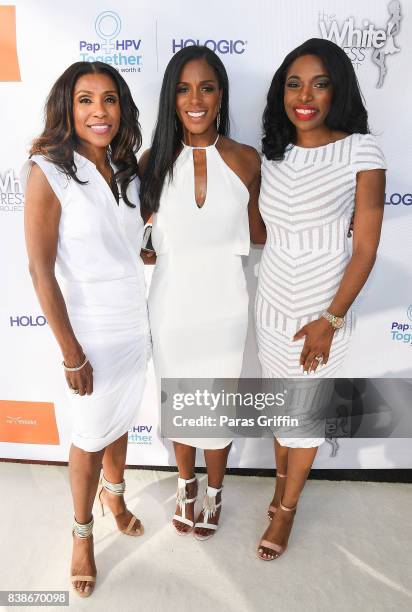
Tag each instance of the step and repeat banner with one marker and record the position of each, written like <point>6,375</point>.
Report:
<point>40,38</point>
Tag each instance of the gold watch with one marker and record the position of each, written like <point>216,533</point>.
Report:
<point>336,322</point>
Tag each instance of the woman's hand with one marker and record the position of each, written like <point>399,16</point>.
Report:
<point>82,380</point>
<point>318,339</point>
<point>148,257</point>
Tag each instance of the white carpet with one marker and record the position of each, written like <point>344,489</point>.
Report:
<point>350,548</point>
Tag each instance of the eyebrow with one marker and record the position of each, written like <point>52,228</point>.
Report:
<point>85,91</point>
<point>201,82</point>
<point>317,76</point>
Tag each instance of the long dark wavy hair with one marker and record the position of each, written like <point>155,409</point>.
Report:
<point>347,113</point>
<point>169,132</point>
<point>59,140</point>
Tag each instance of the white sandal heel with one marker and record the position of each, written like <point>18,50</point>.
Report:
<point>209,510</point>
<point>182,500</point>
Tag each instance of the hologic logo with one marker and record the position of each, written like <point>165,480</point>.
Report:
<point>398,198</point>
<point>10,420</point>
<point>28,321</point>
<point>11,192</point>
<point>223,46</point>
<point>122,53</point>
<point>409,312</point>
<point>355,41</point>
<point>140,434</point>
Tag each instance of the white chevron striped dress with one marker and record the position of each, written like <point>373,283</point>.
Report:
<point>306,201</point>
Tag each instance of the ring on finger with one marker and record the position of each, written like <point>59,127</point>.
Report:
<point>319,358</point>
<point>75,391</point>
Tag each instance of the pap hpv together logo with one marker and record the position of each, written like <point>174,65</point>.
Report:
<point>123,53</point>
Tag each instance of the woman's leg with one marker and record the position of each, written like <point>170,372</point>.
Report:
<point>300,461</point>
<point>114,461</point>
<point>281,458</point>
<point>216,461</point>
<point>185,460</point>
<point>84,471</point>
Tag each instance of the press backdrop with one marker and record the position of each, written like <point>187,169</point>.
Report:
<point>40,38</point>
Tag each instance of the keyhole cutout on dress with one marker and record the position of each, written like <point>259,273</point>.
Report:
<point>200,173</point>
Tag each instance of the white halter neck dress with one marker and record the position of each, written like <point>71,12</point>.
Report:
<point>198,301</point>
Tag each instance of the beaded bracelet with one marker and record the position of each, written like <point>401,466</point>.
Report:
<point>75,369</point>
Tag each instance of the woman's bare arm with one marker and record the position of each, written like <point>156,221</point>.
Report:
<point>41,221</point>
<point>369,206</point>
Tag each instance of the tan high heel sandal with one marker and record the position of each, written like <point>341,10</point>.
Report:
<point>83,531</point>
<point>119,489</point>
<point>273,509</point>
<point>277,548</point>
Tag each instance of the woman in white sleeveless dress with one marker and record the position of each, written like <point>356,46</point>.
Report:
<point>320,168</point>
<point>198,302</point>
<point>82,213</point>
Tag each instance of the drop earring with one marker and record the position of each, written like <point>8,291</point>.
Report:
<point>218,120</point>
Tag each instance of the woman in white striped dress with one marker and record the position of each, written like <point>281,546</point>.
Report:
<point>321,168</point>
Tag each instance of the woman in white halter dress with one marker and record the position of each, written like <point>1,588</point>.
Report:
<point>198,300</point>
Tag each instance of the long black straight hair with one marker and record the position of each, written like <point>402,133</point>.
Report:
<point>58,141</point>
<point>168,131</point>
<point>347,113</point>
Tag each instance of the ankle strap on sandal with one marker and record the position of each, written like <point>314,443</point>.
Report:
<point>181,497</point>
<point>281,475</point>
<point>287,509</point>
<point>83,530</point>
<point>116,488</point>
<point>209,503</point>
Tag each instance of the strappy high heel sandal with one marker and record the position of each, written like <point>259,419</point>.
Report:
<point>83,531</point>
<point>277,548</point>
<point>209,510</point>
<point>182,500</point>
<point>119,489</point>
<point>271,508</point>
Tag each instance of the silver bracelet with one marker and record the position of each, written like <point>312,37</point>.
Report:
<point>75,369</point>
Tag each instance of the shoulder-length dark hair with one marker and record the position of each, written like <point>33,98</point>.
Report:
<point>168,131</point>
<point>59,140</point>
<point>347,113</point>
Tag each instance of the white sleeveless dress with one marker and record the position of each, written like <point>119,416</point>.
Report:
<point>198,300</point>
<point>101,276</point>
<point>306,201</point>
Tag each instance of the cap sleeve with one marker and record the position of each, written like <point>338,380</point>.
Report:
<point>368,154</point>
<point>56,179</point>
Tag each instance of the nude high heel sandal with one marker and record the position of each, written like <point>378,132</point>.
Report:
<point>209,509</point>
<point>119,489</point>
<point>182,500</point>
<point>277,548</point>
<point>273,509</point>
<point>83,531</point>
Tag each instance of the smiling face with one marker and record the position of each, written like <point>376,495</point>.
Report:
<point>96,110</point>
<point>198,98</point>
<point>308,93</point>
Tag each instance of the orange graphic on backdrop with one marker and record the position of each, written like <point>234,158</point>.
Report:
<point>28,422</point>
<point>9,63</point>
